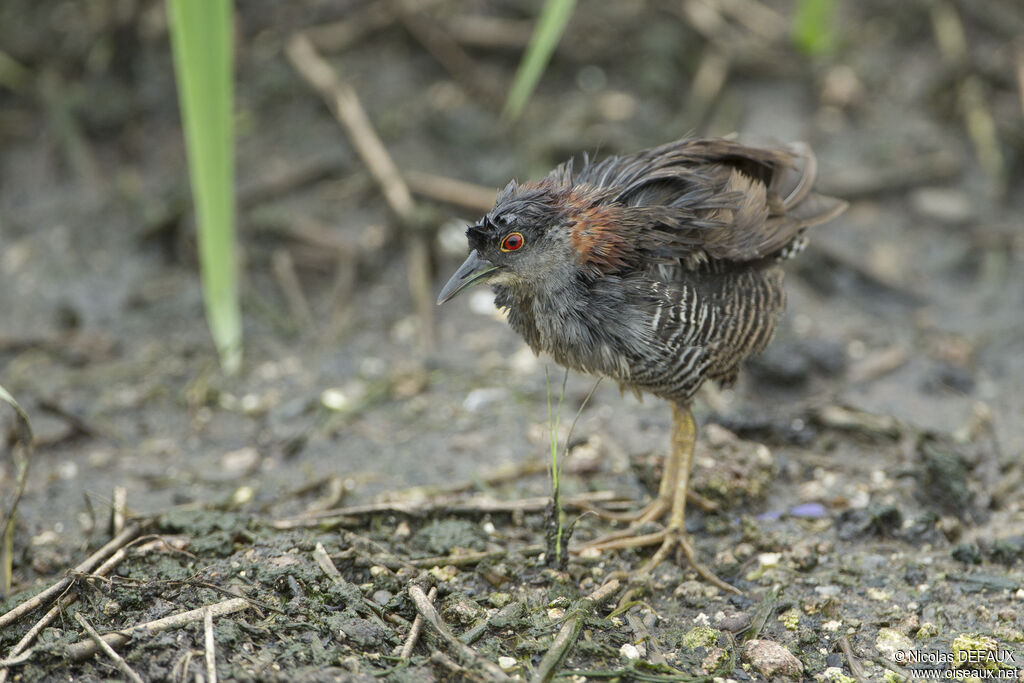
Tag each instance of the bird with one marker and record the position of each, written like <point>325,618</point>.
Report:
<point>660,269</point>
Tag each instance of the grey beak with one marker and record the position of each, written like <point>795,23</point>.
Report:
<point>473,270</point>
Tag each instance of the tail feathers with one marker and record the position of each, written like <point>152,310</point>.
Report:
<point>792,182</point>
<point>816,209</point>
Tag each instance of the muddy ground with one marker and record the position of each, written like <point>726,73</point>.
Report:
<point>865,471</point>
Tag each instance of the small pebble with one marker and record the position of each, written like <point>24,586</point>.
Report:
<point>334,399</point>
<point>890,640</point>
<point>771,659</point>
<point>507,663</point>
<point>242,496</point>
<point>462,610</point>
<point>828,590</point>
<point>629,651</point>
<point>732,621</point>
<point>878,594</point>
<point>498,599</point>
<point>481,398</point>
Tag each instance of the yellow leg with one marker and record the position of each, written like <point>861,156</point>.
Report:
<point>674,485</point>
<point>651,512</point>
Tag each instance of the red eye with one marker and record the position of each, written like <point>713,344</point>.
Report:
<point>512,241</point>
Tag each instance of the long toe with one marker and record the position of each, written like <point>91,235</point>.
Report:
<point>620,540</point>
<point>675,539</point>
<point>651,512</point>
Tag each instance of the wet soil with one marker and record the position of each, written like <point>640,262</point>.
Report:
<point>865,473</point>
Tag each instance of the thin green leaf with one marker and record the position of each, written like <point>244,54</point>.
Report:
<point>550,25</point>
<point>201,38</point>
<point>21,453</point>
<point>554,423</point>
<point>813,26</point>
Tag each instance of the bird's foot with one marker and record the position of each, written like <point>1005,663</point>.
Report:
<point>670,538</point>
<point>672,498</point>
<point>653,511</point>
<point>625,538</point>
<point>676,538</point>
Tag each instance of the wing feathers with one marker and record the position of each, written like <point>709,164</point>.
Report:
<point>694,199</point>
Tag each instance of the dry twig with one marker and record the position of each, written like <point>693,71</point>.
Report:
<point>461,650</point>
<point>705,18</point>
<point>346,107</point>
<point>14,660</point>
<point>373,16</point>
<point>570,631</point>
<point>707,85</point>
<point>118,503</point>
<point>84,567</point>
<point>455,672</point>
<point>851,659</point>
<point>491,32</point>
<point>416,628</point>
<point>458,192</point>
<point>86,648</point>
<point>210,646</point>
<point>757,18</point>
<point>109,651</point>
<point>1019,52</point>
<point>326,563</point>
<point>469,559</point>
<point>78,424</point>
<point>21,650</point>
<point>879,364</point>
<point>283,268</point>
<point>641,634</point>
<point>348,110</point>
<point>851,419</point>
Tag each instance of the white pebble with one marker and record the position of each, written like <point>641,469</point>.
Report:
<point>479,398</point>
<point>629,651</point>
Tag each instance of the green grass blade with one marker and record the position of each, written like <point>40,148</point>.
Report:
<point>554,422</point>
<point>813,27</point>
<point>21,454</point>
<point>550,25</point>
<point>201,38</point>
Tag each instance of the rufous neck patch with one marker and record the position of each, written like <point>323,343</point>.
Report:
<point>599,236</point>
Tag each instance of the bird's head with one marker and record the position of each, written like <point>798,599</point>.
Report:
<point>523,242</point>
